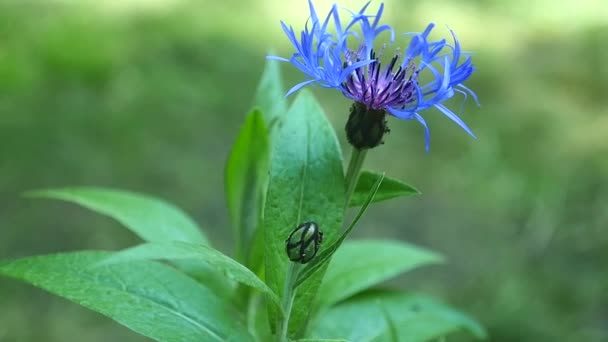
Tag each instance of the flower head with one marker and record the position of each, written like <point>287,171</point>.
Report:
<point>378,88</point>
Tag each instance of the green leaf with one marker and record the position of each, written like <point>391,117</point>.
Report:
<point>150,218</point>
<point>150,298</point>
<point>416,318</point>
<point>270,98</point>
<point>359,265</point>
<point>306,184</point>
<point>174,251</point>
<point>392,333</point>
<point>207,275</point>
<point>324,256</point>
<point>390,188</point>
<point>246,180</point>
<point>270,94</point>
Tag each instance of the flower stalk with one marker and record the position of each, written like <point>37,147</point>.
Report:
<point>357,157</point>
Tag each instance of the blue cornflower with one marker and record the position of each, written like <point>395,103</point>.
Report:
<point>377,89</point>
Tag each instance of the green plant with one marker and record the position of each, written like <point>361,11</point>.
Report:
<point>176,287</point>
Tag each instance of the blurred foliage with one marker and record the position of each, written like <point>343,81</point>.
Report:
<point>148,96</point>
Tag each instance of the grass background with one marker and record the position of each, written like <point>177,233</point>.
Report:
<point>149,95</point>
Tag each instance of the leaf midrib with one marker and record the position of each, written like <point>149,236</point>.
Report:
<point>90,280</point>
<point>158,303</point>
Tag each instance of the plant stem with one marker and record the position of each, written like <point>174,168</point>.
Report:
<point>352,173</point>
<point>289,294</point>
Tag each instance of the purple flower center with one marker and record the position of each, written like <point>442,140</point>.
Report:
<point>379,87</point>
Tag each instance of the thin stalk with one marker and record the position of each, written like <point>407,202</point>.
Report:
<point>289,294</point>
<point>352,173</point>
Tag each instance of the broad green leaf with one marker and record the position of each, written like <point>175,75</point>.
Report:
<point>256,256</point>
<point>392,334</point>
<point>150,298</point>
<point>174,251</point>
<point>321,260</point>
<point>416,318</point>
<point>207,275</point>
<point>270,98</point>
<point>361,264</point>
<point>270,95</point>
<point>306,184</point>
<point>390,188</point>
<point>246,179</point>
<point>150,218</point>
<point>257,319</point>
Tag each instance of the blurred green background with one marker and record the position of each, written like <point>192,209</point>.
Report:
<point>149,95</point>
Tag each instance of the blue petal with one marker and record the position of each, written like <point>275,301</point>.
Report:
<point>384,28</point>
<point>337,23</point>
<point>409,115</point>
<point>332,13</point>
<point>427,132</point>
<point>313,13</point>
<point>290,35</point>
<point>454,118</point>
<point>456,53</point>
<point>445,91</point>
<point>349,69</point>
<point>418,45</point>
<point>299,86</point>
<point>464,100</point>
<point>471,92</point>
<point>402,114</point>
<point>378,15</point>
<point>277,58</point>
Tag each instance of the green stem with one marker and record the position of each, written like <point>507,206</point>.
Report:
<point>289,294</point>
<point>352,173</point>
